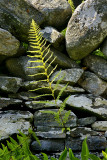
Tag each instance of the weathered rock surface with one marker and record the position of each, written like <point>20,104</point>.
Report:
<point>10,84</point>
<point>51,10</point>
<point>94,143</point>
<point>53,36</point>
<point>50,145</point>
<point>19,67</point>
<point>86,121</point>
<point>30,85</point>
<point>8,44</point>
<point>4,102</point>
<point>70,76</point>
<point>37,105</point>
<point>88,103</point>
<point>18,19</point>
<point>96,64</point>
<point>46,119</point>
<point>92,83</point>
<point>53,133</point>
<point>12,121</point>
<point>23,95</point>
<point>100,126</point>
<point>82,132</point>
<point>61,59</point>
<point>86,29</point>
<point>104,47</point>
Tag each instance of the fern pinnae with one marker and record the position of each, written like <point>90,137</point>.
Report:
<point>39,89</point>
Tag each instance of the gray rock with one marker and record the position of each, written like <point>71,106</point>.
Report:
<point>53,36</point>
<point>19,19</point>
<point>97,64</point>
<point>10,84</point>
<point>4,102</point>
<point>61,59</point>
<point>19,67</point>
<point>42,118</point>
<point>51,134</point>
<point>94,143</point>
<point>88,103</point>
<point>92,83</point>
<point>37,105</point>
<point>100,126</point>
<point>30,85</point>
<point>50,145</point>
<point>86,29</point>
<point>51,10</point>
<point>106,134</point>
<point>23,95</point>
<point>104,47</point>
<point>86,121</point>
<point>70,76</point>
<point>8,44</point>
<point>82,132</point>
<point>12,121</point>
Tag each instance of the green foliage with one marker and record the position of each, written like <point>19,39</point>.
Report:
<point>43,56</point>
<point>18,150</point>
<point>98,53</point>
<point>72,5</point>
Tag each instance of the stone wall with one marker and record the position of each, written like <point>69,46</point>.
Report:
<point>87,80</point>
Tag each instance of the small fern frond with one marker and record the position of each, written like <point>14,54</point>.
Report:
<point>72,5</point>
<point>39,89</point>
<point>42,95</point>
<point>61,91</point>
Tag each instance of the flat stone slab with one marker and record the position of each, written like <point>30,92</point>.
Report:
<point>82,132</point>
<point>94,143</point>
<point>88,103</point>
<point>41,118</point>
<point>70,76</point>
<point>10,84</point>
<point>12,121</point>
<point>30,85</point>
<point>38,105</point>
<point>4,102</point>
<point>100,126</point>
<point>50,145</point>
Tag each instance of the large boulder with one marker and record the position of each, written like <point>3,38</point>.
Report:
<point>19,67</point>
<point>19,14</point>
<point>9,45</point>
<point>87,28</point>
<point>89,104</point>
<point>16,17</point>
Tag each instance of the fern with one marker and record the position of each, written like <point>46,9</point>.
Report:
<point>72,5</point>
<point>42,54</point>
<point>18,150</point>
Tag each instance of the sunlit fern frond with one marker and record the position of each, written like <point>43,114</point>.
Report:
<point>40,53</point>
<point>72,5</point>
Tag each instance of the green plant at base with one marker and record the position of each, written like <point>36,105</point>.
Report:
<point>18,150</point>
<point>40,54</point>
